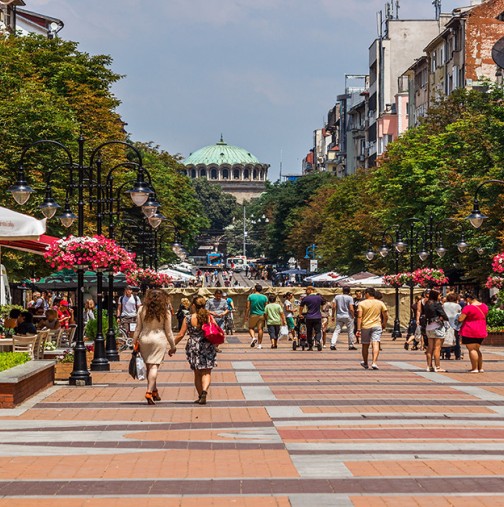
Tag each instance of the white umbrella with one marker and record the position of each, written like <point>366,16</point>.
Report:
<point>373,281</point>
<point>17,226</point>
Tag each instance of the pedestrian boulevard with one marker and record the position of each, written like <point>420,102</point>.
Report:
<point>281,428</point>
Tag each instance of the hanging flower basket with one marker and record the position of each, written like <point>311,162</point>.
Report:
<point>430,277</point>
<point>495,282</point>
<point>398,280</point>
<point>97,253</point>
<point>498,263</point>
<point>147,278</point>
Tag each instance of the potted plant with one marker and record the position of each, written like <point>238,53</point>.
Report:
<point>147,278</point>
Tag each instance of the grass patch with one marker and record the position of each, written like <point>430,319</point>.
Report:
<point>10,359</point>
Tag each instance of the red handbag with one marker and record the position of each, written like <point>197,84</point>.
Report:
<point>212,332</point>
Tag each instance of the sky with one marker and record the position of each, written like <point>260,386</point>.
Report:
<point>263,73</point>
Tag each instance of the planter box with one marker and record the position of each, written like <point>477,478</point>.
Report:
<point>495,339</point>
<point>21,382</point>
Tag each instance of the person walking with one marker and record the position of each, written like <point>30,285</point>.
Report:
<point>218,308</point>
<point>453,310</point>
<point>200,352</point>
<point>343,315</point>
<point>436,317</point>
<point>357,299</point>
<point>183,311</point>
<point>313,317</point>
<point>152,335</point>
<point>372,316</point>
<point>254,313</point>
<point>474,329</point>
<point>275,318</point>
<point>128,307</point>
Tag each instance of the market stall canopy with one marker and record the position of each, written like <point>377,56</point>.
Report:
<point>363,279</point>
<point>176,275</point>
<point>330,276</point>
<point>23,232</point>
<point>66,279</point>
<point>14,225</point>
<point>293,272</point>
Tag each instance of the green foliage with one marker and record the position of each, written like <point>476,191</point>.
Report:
<point>495,318</point>
<point>10,359</point>
<point>219,207</point>
<point>6,309</point>
<point>91,328</point>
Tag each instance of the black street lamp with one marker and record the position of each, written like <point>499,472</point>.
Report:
<point>81,177</point>
<point>476,217</point>
<point>384,250</point>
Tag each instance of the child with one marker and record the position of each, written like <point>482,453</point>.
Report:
<point>50,321</point>
<point>65,314</point>
<point>275,318</point>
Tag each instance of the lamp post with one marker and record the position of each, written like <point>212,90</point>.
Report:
<point>81,177</point>
<point>310,254</point>
<point>384,251</point>
<point>476,217</point>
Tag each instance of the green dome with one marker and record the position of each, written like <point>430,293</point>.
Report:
<point>220,153</point>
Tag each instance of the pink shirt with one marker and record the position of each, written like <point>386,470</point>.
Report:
<point>474,325</point>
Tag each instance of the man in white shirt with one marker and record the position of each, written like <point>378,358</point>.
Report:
<point>343,314</point>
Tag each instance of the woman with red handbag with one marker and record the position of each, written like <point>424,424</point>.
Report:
<point>200,351</point>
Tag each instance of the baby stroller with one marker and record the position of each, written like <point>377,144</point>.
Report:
<point>300,337</point>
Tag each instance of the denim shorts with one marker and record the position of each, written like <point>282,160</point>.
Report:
<point>372,334</point>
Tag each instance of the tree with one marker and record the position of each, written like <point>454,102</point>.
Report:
<point>220,207</point>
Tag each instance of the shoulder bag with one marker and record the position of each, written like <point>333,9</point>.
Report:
<point>212,332</point>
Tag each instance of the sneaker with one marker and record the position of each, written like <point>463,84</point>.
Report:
<point>406,345</point>
<point>352,348</point>
<point>323,346</point>
<point>259,346</point>
<point>375,366</point>
<point>332,347</point>
<point>439,370</point>
<point>319,346</point>
<point>364,365</point>
<point>253,342</point>
<point>429,368</point>
<point>310,348</point>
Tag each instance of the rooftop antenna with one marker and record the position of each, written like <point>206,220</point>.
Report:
<point>281,163</point>
<point>437,7</point>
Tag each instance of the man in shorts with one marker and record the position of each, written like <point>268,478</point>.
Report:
<point>254,313</point>
<point>372,316</point>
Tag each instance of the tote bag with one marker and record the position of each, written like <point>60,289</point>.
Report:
<point>212,332</point>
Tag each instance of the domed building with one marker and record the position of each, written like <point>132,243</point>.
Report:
<point>234,169</point>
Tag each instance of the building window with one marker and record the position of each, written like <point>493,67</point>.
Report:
<point>236,174</point>
<point>213,174</point>
<point>193,173</point>
<point>254,176</point>
<point>246,174</point>
<point>225,174</point>
<point>203,173</point>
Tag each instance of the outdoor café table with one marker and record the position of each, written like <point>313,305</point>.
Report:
<point>6,344</point>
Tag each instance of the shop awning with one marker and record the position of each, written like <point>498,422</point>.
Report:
<point>36,246</point>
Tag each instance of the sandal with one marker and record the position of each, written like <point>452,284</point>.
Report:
<point>439,370</point>
<point>202,398</point>
<point>473,371</point>
<point>149,398</point>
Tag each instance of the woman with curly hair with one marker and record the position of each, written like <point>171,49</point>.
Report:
<point>152,334</point>
<point>199,351</point>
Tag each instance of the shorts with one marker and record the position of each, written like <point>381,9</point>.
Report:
<point>372,334</point>
<point>290,323</point>
<point>256,321</point>
<point>470,341</point>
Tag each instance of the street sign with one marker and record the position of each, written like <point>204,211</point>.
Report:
<point>313,265</point>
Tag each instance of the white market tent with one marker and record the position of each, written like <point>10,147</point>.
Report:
<point>177,275</point>
<point>373,281</point>
<point>330,276</point>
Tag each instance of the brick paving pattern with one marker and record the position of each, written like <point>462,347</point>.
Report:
<point>281,428</point>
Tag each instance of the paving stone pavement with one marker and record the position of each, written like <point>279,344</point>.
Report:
<point>281,428</point>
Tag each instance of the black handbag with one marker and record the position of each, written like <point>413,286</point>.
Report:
<point>132,368</point>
